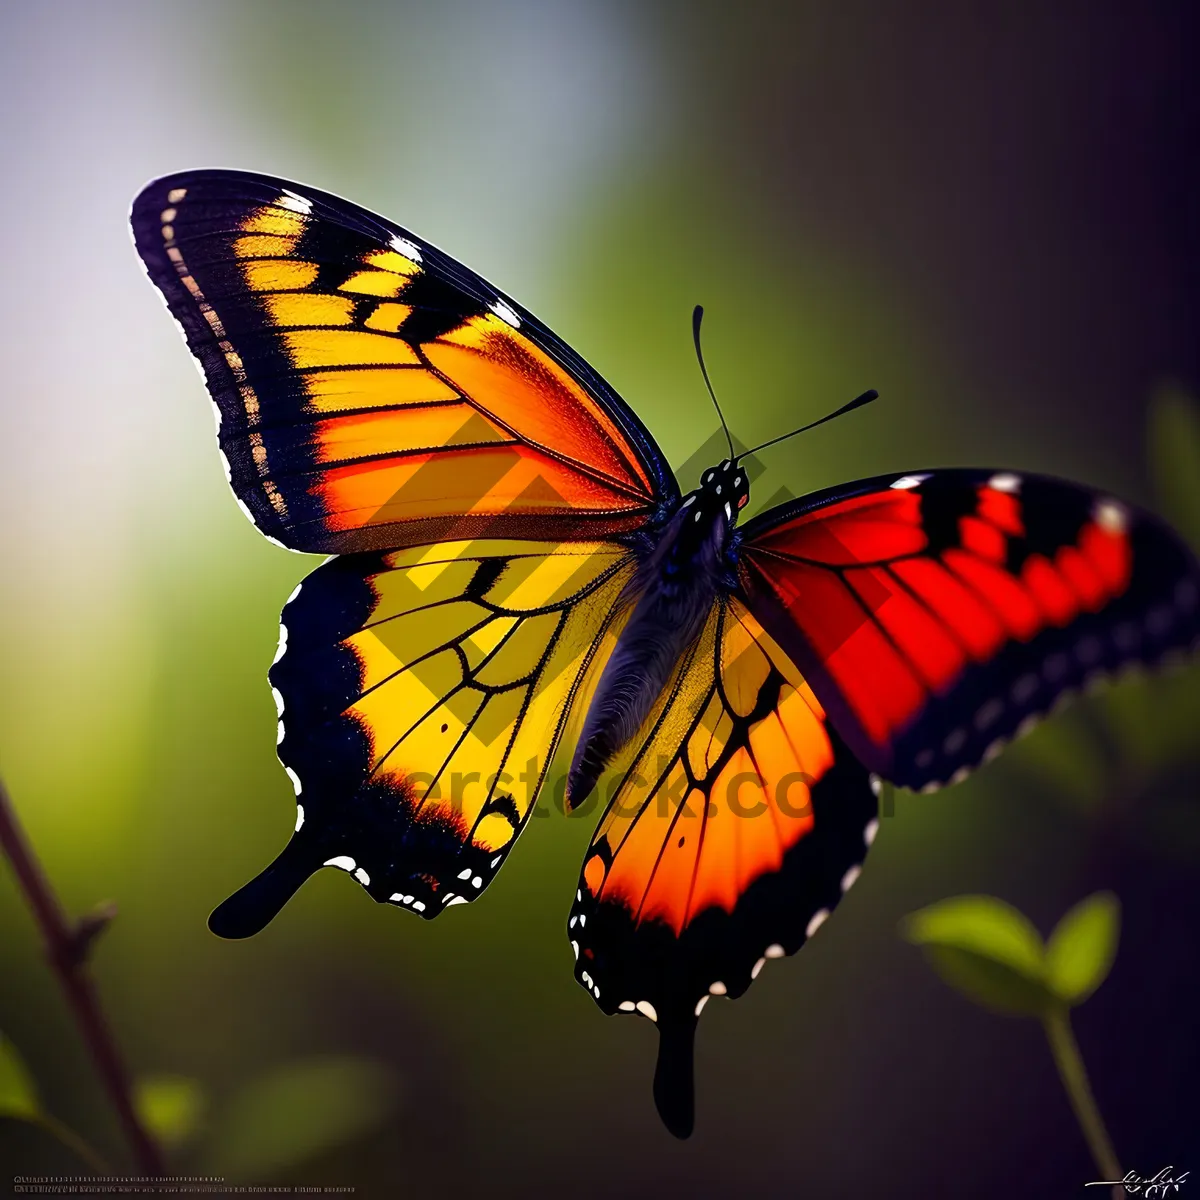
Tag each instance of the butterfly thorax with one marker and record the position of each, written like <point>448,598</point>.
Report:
<point>671,594</point>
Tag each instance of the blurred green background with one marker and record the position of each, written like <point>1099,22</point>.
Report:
<point>987,211</point>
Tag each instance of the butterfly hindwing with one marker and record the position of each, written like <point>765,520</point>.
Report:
<point>733,828</point>
<point>373,393</point>
<point>937,614</point>
<point>422,694</point>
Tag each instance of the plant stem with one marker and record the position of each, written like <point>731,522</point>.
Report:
<point>1057,1023</point>
<point>73,1142</point>
<point>62,949</point>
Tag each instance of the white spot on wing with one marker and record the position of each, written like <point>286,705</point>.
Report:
<point>851,877</point>
<point>906,482</point>
<point>299,813</point>
<point>294,201</point>
<point>774,950</point>
<point>298,788</point>
<point>647,1009</point>
<point>405,247</point>
<point>1111,516</point>
<point>362,877</point>
<point>700,1004</point>
<point>456,900</point>
<point>871,831</point>
<point>758,966</point>
<point>505,313</point>
<point>1006,481</point>
<point>627,1006</point>
<point>818,919</point>
<point>295,593</point>
<point>277,696</point>
<point>342,861</point>
<point>281,649</point>
<point>465,874</point>
<point>717,988</point>
<point>418,906</point>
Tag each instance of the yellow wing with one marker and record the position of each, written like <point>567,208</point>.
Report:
<point>422,694</point>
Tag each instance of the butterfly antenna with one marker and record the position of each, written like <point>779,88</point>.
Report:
<point>857,402</point>
<point>697,317</point>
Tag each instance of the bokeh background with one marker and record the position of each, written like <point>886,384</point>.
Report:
<point>987,211</point>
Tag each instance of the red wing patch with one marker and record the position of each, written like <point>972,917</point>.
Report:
<point>934,613</point>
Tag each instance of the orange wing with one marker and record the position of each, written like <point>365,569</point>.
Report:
<point>371,392</point>
<point>732,831</point>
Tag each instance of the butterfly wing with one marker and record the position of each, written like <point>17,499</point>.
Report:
<point>421,695</point>
<point>373,393</point>
<point>733,828</point>
<point>937,614</point>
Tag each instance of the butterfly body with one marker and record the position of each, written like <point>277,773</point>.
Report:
<point>671,595</point>
<point>512,548</point>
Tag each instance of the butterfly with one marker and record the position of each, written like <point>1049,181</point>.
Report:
<point>514,568</point>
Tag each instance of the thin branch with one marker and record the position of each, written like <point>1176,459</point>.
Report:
<point>66,950</point>
<point>73,1142</point>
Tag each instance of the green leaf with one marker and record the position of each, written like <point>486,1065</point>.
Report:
<point>18,1096</point>
<point>1174,437</point>
<point>987,950</point>
<point>1081,950</point>
<point>170,1107</point>
<point>298,1111</point>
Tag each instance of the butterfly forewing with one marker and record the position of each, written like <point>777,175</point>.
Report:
<point>937,613</point>
<point>372,393</point>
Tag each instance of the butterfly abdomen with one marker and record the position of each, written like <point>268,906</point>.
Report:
<point>672,594</point>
